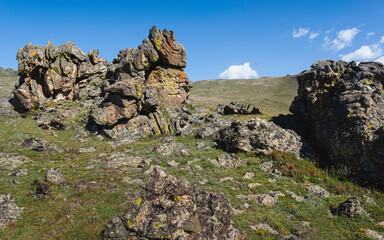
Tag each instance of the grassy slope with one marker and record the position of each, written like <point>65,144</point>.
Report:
<point>273,95</point>
<point>72,213</point>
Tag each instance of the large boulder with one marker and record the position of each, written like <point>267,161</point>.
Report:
<point>170,208</point>
<point>260,137</point>
<point>52,74</point>
<point>342,105</point>
<point>145,83</point>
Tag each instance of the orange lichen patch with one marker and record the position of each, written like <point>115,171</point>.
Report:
<point>33,52</point>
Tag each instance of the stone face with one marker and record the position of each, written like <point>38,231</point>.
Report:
<point>52,74</point>
<point>145,84</point>
<point>260,137</point>
<point>342,106</point>
<point>169,208</point>
<point>9,212</point>
<point>237,108</point>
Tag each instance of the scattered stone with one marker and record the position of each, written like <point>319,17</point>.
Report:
<point>165,149</point>
<point>203,181</point>
<point>342,105</point>
<point>10,161</point>
<point>81,185</point>
<point>374,235</point>
<point>381,223</point>
<point>40,145</point>
<point>198,167</point>
<point>133,181</point>
<point>173,208</point>
<point>42,189</point>
<point>115,144</point>
<point>264,227</point>
<point>193,161</point>
<point>266,166</point>
<point>275,174</point>
<point>350,207</point>
<point>236,108</point>
<point>54,176</point>
<point>200,145</point>
<point>201,109</point>
<point>294,196</point>
<point>225,179</point>
<point>317,191</point>
<point>369,200</point>
<point>260,137</point>
<point>151,169</point>
<point>253,185</point>
<point>184,152</point>
<point>228,161</point>
<point>173,163</point>
<point>9,211</point>
<point>19,172</point>
<point>122,161</point>
<point>249,175</point>
<point>86,150</point>
<point>14,182</point>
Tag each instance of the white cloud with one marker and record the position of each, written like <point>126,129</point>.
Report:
<point>329,31</point>
<point>364,53</point>
<point>344,38</point>
<point>302,32</point>
<point>382,39</point>
<point>239,72</point>
<point>381,59</point>
<point>313,35</point>
<point>370,34</point>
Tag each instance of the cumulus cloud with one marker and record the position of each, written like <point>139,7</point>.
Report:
<point>313,35</point>
<point>344,39</point>
<point>382,39</point>
<point>239,72</point>
<point>370,34</point>
<point>381,59</point>
<point>302,32</point>
<point>364,53</point>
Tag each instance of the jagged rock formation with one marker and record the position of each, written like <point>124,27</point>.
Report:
<point>146,81</point>
<point>342,105</point>
<point>169,208</point>
<point>260,137</point>
<point>52,74</point>
<point>237,108</point>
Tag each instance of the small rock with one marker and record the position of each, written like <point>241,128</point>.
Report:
<point>40,145</point>
<point>14,181</point>
<point>42,189</point>
<point>200,145</point>
<point>228,161</point>
<point>266,166</point>
<point>253,185</point>
<point>133,181</point>
<point>381,223</point>
<point>249,175</point>
<point>19,172</point>
<point>203,181</point>
<point>152,167</point>
<point>122,161</point>
<point>350,207</point>
<point>184,152</point>
<point>317,191</point>
<point>54,176</point>
<point>10,212</point>
<point>173,163</point>
<point>226,179</point>
<point>165,149</point>
<point>10,161</point>
<point>86,150</point>
<point>294,196</point>
<point>264,227</point>
<point>198,167</point>
<point>374,235</point>
<point>193,161</point>
<point>115,144</point>
<point>369,200</point>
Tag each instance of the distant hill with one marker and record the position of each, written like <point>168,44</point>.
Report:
<point>8,79</point>
<point>273,95</point>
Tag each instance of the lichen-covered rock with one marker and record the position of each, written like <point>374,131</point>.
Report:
<point>145,83</point>
<point>260,137</point>
<point>39,145</point>
<point>228,161</point>
<point>350,207</point>
<point>317,191</point>
<point>237,108</point>
<point>342,106</point>
<point>52,74</point>
<point>212,130</point>
<point>169,208</point>
<point>10,161</point>
<point>54,176</point>
<point>9,212</point>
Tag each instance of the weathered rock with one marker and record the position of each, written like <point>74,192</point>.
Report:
<point>228,161</point>
<point>40,145</point>
<point>294,196</point>
<point>342,105</point>
<point>260,137</point>
<point>19,172</point>
<point>42,189</point>
<point>166,148</point>
<point>237,108</point>
<point>10,161</point>
<point>86,150</point>
<point>123,161</point>
<point>350,207</point>
<point>374,235</point>
<point>9,212</point>
<point>53,74</point>
<point>317,191</point>
<point>212,130</point>
<point>174,209</point>
<point>54,176</point>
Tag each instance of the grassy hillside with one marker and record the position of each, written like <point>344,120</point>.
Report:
<point>273,95</point>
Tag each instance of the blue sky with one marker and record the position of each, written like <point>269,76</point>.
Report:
<point>272,36</point>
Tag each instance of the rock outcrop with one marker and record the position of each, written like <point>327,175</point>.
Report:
<point>169,208</point>
<point>342,105</point>
<point>145,82</point>
<point>53,74</point>
<point>237,108</point>
<point>260,137</point>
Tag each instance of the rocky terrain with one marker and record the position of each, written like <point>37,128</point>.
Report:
<point>128,150</point>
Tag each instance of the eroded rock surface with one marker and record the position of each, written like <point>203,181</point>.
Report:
<point>169,208</point>
<point>342,106</point>
<point>260,137</point>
